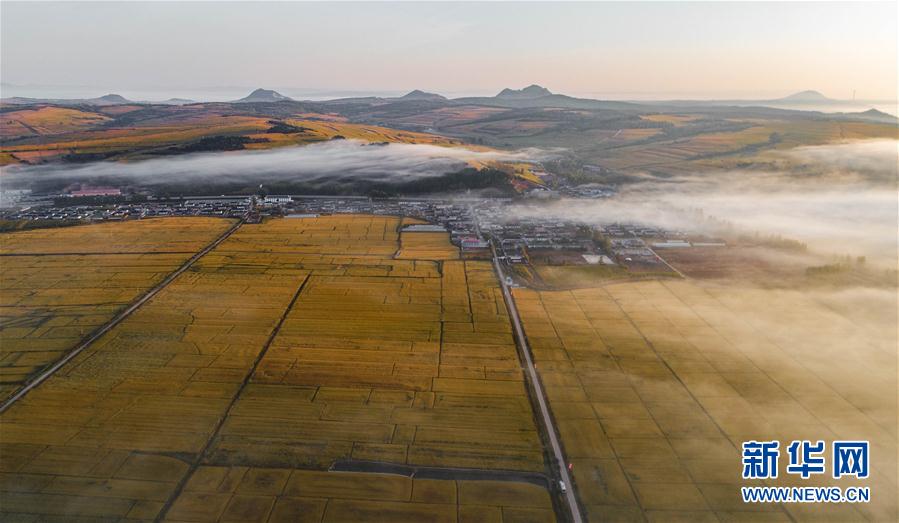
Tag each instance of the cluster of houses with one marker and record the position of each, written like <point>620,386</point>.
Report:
<point>471,223</point>
<point>230,207</point>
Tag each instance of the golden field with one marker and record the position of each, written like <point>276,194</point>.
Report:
<point>426,245</point>
<point>58,285</point>
<point>319,130</point>
<point>294,343</point>
<point>281,495</point>
<point>133,139</point>
<point>59,134</point>
<point>389,360</point>
<point>656,384</point>
<point>300,343</point>
<point>157,134</point>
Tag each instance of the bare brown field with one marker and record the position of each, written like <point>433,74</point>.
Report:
<point>629,135</point>
<point>756,264</point>
<point>294,343</point>
<point>134,139</point>
<point>675,119</point>
<point>675,151</point>
<point>449,116</point>
<point>655,385</point>
<point>718,150</point>
<point>510,128</point>
<point>58,285</point>
<point>572,276</point>
<point>118,109</point>
<point>46,120</point>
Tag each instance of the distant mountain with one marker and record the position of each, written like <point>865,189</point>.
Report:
<point>871,115</point>
<point>535,96</point>
<point>531,91</point>
<point>875,113</point>
<point>421,95</point>
<point>21,100</point>
<point>809,100</point>
<point>108,99</point>
<point>264,95</point>
<point>177,101</point>
<point>805,97</point>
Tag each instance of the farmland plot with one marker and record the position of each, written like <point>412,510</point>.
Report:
<point>282,495</point>
<point>295,344</point>
<point>655,385</point>
<point>58,285</point>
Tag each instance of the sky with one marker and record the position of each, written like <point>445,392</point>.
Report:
<point>636,50</point>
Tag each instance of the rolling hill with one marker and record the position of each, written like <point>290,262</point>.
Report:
<point>602,140</point>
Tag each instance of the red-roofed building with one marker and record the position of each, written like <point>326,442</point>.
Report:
<point>96,191</point>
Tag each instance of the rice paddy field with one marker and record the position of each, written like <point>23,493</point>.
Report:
<point>427,246</point>
<point>293,345</point>
<point>655,385</point>
<point>279,495</point>
<point>338,369</point>
<point>58,285</point>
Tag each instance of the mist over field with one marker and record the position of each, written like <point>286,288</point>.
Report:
<point>857,223</point>
<point>443,320</point>
<point>854,212</point>
<point>876,160</point>
<point>335,163</point>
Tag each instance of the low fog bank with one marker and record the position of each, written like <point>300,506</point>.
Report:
<point>337,164</point>
<point>873,161</point>
<point>839,198</point>
<point>838,212</point>
<point>860,222</point>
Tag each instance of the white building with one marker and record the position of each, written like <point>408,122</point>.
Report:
<point>275,198</point>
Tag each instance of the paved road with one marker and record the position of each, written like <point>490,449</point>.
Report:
<point>679,273</point>
<point>49,371</point>
<point>541,397</point>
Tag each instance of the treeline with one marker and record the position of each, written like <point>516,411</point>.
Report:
<point>464,180</point>
<point>280,127</point>
<point>774,242</point>
<point>212,144</point>
<point>468,179</point>
<point>76,157</point>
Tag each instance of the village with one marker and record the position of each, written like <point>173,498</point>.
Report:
<point>473,224</point>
